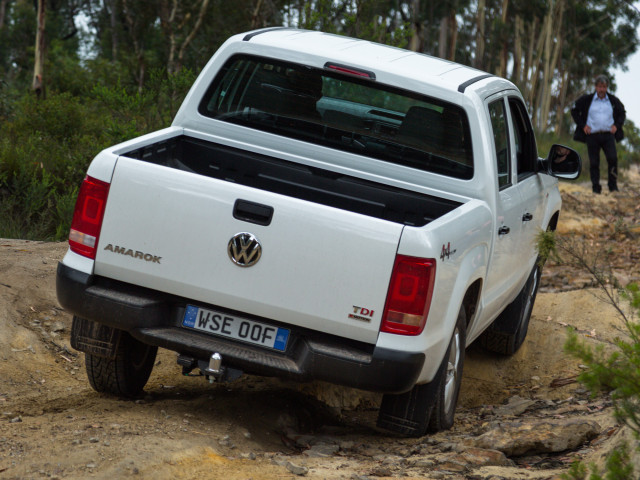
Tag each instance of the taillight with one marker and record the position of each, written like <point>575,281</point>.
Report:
<point>409,296</point>
<point>87,217</point>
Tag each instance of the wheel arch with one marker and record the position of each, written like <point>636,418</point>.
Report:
<point>471,300</point>
<point>472,271</point>
<point>553,221</point>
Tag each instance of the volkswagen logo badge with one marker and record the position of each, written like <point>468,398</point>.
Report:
<point>244,249</point>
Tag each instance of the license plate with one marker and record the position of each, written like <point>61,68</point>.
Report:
<point>238,328</point>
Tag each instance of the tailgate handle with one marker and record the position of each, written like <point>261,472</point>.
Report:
<point>252,212</point>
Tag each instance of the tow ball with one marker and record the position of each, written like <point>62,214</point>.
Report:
<point>214,371</point>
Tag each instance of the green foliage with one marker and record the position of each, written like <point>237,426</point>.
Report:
<point>17,40</point>
<point>134,113</point>
<point>630,145</point>
<point>46,146</point>
<point>617,467</point>
<point>546,246</point>
<point>615,372</point>
<point>7,99</point>
<point>577,471</point>
<point>31,208</point>
<point>44,153</point>
<point>632,295</point>
<point>59,135</point>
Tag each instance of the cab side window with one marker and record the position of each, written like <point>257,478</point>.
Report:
<point>524,139</point>
<point>498,117</point>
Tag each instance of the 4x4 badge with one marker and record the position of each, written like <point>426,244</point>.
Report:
<point>244,249</point>
<point>446,251</point>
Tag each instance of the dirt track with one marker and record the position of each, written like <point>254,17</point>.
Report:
<point>52,425</point>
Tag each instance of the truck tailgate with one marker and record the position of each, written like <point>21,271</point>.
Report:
<point>321,267</point>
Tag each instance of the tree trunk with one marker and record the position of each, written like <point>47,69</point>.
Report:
<point>448,36</point>
<point>167,20</point>
<point>38,70</point>
<point>454,35</point>
<point>3,12</point>
<point>528,62</point>
<point>137,47</point>
<point>443,38</point>
<point>175,24</point>
<point>255,18</point>
<point>504,52</point>
<point>113,18</point>
<point>543,94</point>
<point>416,44</point>
<point>479,58</point>
<point>535,64</point>
<point>562,98</point>
<point>301,15</point>
<point>516,75</point>
<point>550,67</point>
<point>192,34</point>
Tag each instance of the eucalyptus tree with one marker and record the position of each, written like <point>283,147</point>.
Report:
<point>551,49</point>
<point>593,38</point>
<point>35,49</point>
<point>435,26</point>
<point>17,37</point>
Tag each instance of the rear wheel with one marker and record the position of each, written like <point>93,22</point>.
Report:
<point>507,332</point>
<point>447,395</point>
<point>430,406</point>
<point>127,373</point>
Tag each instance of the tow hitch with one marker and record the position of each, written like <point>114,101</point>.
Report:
<point>214,371</point>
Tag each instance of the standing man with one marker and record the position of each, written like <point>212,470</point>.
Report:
<point>599,118</point>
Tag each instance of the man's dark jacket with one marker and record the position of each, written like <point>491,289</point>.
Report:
<point>580,111</point>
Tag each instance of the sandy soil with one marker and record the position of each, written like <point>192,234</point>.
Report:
<point>52,425</point>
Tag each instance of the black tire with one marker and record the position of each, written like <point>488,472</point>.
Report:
<point>430,406</point>
<point>444,410</point>
<point>507,332</point>
<point>127,373</point>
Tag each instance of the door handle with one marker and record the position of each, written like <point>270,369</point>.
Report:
<point>503,230</point>
<point>527,217</point>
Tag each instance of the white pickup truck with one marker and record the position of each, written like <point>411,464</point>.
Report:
<point>321,208</point>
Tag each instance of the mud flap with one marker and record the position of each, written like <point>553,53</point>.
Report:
<point>409,413</point>
<point>94,338</point>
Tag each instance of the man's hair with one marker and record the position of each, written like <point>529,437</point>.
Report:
<point>602,79</point>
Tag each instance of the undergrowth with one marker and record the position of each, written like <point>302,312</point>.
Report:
<point>617,372</point>
<point>46,147</point>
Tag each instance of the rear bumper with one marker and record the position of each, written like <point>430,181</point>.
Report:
<point>154,318</point>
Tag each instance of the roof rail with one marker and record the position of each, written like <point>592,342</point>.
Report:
<point>462,87</point>
<point>250,35</point>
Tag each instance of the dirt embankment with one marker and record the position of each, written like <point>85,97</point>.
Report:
<point>52,425</point>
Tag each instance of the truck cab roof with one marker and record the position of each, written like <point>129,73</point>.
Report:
<point>386,62</point>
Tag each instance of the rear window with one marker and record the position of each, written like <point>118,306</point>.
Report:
<point>341,111</point>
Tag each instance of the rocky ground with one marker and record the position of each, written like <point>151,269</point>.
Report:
<point>523,417</point>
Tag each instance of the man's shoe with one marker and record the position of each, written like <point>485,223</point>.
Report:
<point>597,189</point>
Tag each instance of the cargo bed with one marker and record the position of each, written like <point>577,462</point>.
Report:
<point>295,180</point>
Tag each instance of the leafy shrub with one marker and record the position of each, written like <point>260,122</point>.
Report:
<point>614,372</point>
<point>47,145</point>
<point>26,203</point>
<point>133,113</point>
<point>617,467</point>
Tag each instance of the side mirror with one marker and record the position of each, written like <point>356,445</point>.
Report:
<point>562,162</point>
